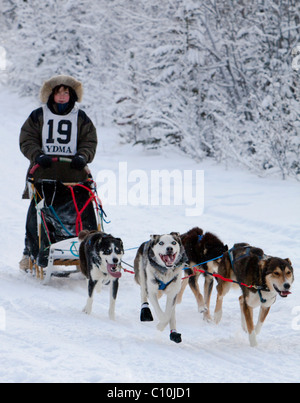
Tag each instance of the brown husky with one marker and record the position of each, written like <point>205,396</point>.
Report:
<point>199,248</point>
<point>270,276</point>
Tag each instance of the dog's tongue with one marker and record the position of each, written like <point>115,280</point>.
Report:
<point>168,259</point>
<point>112,270</point>
<point>284,294</point>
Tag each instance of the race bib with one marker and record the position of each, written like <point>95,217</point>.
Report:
<point>60,133</point>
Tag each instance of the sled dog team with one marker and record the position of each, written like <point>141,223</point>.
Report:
<point>158,268</point>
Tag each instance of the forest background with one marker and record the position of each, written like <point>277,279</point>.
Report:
<point>213,78</point>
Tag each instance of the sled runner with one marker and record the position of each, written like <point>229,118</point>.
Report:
<point>58,211</point>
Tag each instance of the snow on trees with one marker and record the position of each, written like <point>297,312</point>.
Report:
<point>213,78</point>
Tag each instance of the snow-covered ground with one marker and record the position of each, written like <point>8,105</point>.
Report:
<point>45,337</point>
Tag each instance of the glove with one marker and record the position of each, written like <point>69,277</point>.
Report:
<point>78,162</point>
<point>44,161</point>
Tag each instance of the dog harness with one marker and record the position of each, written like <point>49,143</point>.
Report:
<point>246,254</point>
<point>162,285</point>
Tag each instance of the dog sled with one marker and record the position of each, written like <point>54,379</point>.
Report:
<point>58,211</point>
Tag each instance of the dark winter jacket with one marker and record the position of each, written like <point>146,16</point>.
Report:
<point>31,145</point>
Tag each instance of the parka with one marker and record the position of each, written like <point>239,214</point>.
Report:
<point>31,132</point>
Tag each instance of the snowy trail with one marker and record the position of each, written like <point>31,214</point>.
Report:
<point>47,338</point>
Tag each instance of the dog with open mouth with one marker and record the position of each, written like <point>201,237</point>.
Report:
<point>270,276</point>
<point>100,261</point>
<point>158,270</point>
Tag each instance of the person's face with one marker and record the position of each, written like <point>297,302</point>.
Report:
<point>62,96</point>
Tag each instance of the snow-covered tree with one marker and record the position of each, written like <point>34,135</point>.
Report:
<point>81,38</point>
<point>212,77</point>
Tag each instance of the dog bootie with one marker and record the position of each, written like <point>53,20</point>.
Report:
<point>176,337</point>
<point>146,315</point>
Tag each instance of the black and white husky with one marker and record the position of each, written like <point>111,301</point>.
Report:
<point>158,270</point>
<point>100,258</point>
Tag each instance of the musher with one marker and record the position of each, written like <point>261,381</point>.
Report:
<point>58,129</point>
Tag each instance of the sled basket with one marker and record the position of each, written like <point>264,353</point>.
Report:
<point>57,213</point>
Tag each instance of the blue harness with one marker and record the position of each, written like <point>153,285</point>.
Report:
<point>162,285</point>
<point>234,260</point>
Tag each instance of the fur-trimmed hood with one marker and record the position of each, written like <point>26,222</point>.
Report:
<point>53,82</point>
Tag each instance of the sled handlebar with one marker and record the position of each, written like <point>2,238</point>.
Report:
<point>59,159</point>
